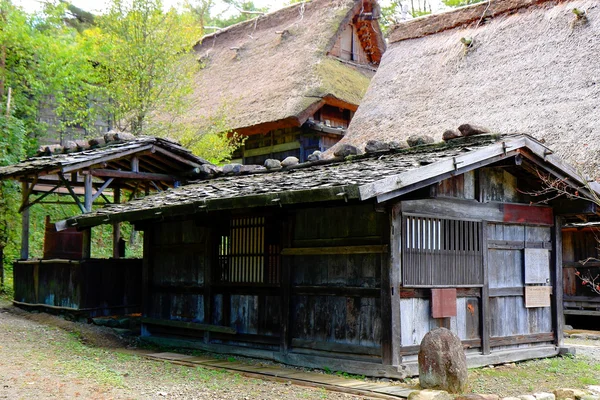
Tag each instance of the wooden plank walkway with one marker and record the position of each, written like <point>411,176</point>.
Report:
<point>311,379</point>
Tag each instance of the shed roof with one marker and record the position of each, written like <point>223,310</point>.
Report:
<point>176,158</point>
<point>273,71</point>
<point>533,68</point>
<point>379,176</point>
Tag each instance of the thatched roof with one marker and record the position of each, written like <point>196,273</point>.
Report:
<point>533,67</point>
<point>274,72</point>
<point>383,176</point>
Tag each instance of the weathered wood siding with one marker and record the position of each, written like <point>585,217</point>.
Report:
<point>506,272</point>
<point>96,286</point>
<point>321,295</point>
<point>491,313</point>
<point>336,302</point>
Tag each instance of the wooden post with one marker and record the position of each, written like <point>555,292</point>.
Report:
<point>147,273</point>
<point>394,285</point>
<point>86,251</point>
<point>25,223</point>
<point>87,204</point>
<point>485,295</point>
<point>558,316</point>
<point>116,233</point>
<point>89,193</point>
<point>286,285</point>
<point>210,246</point>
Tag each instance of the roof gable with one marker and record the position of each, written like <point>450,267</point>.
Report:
<point>530,69</point>
<point>271,70</point>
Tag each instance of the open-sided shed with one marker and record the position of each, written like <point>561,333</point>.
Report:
<point>104,171</point>
<point>346,264</point>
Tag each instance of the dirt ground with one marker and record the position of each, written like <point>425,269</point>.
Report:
<point>47,357</point>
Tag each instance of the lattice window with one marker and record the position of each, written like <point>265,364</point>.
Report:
<point>441,252</point>
<point>247,252</point>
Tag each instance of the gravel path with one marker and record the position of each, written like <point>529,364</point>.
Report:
<point>585,347</point>
<point>46,357</point>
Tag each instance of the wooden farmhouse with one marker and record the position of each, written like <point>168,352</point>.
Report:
<point>106,171</point>
<point>348,263</point>
<point>512,66</point>
<point>290,81</point>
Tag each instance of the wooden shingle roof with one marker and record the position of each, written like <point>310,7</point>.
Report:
<point>378,176</point>
<point>176,158</point>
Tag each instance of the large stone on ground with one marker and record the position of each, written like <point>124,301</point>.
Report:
<point>471,130</point>
<point>429,395</point>
<point>271,163</point>
<point>526,397</point>
<point>345,150</point>
<point>476,396</point>
<point>418,140</point>
<point>376,146</point>
<point>566,393</point>
<point>450,134</point>
<point>289,161</point>
<point>544,396</point>
<point>442,362</point>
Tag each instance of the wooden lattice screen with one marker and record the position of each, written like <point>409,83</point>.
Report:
<point>246,254</point>
<point>441,252</point>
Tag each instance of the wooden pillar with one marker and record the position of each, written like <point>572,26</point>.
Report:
<point>286,285</point>
<point>87,233</point>
<point>558,316</point>
<point>25,223</point>
<point>116,226</point>
<point>146,274</point>
<point>485,296</point>
<point>210,246</point>
<point>392,355</point>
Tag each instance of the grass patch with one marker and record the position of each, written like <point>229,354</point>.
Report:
<point>535,376</point>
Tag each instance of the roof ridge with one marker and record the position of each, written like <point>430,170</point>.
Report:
<point>450,19</point>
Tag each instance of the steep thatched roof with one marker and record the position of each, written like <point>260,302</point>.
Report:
<point>533,68</point>
<point>273,71</point>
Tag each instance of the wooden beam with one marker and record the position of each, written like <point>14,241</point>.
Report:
<point>484,312</point>
<point>24,223</point>
<point>176,157</point>
<point>86,251</point>
<point>89,193</point>
<point>455,165</point>
<point>71,192</point>
<point>101,189</point>
<point>346,291</point>
<point>390,286</point>
<point>107,158</point>
<point>189,325</point>
<point>558,317</point>
<point>509,291</point>
<point>116,226</point>
<point>316,251</point>
<point>144,176</point>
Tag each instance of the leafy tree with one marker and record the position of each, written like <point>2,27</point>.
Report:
<point>145,61</point>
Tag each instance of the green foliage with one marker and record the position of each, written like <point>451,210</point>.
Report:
<point>145,61</point>
<point>44,63</point>
<point>460,3</point>
<point>390,13</point>
<point>212,139</point>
